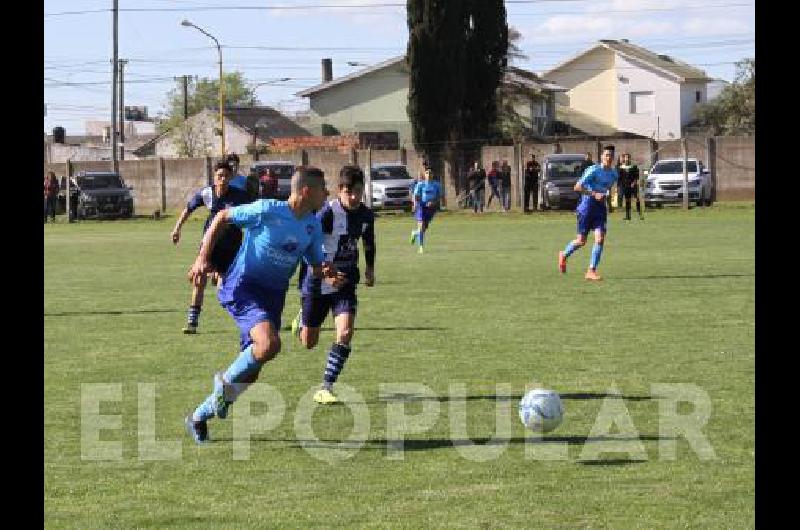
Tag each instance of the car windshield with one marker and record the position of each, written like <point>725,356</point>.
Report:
<point>673,167</point>
<point>98,182</point>
<point>282,171</point>
<point>564,169</point>
<point>390,173</point>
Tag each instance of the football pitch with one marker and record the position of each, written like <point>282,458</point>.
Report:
<point>446,343</point>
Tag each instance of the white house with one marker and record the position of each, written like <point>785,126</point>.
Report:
<point>616,86</point>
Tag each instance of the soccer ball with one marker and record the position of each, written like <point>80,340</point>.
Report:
<point>541,410</point>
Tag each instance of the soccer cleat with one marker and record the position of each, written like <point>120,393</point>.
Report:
<point>297,324</point>
<point>413,237</point>
<point>592,275</point>
<point>220,404</point>
<point>421,250</point>
<point>324,396</point>
<point>562,262</point>
<point>198,430</point>
<point>190,329</point>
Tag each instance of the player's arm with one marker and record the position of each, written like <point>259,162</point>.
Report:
<point>585,185</point>
<point>191,206</point>
<point>315,258</point>
<point>368,241</point>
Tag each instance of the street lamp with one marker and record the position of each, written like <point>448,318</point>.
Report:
<point>271,81</point>
<point>221,80</point>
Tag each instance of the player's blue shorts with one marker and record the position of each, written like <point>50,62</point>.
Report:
<point>316,308</point>
<point>593,219</point>
<point>251,305</point>
<point>425,213</point>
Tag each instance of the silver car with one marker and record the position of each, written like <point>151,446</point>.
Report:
<point>391,186</point>
<point>282,169</point>
<point>560,172</point>
<point>665,183</point>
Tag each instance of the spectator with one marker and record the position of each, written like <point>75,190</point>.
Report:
<point>494,179</point>
<point>50,195</point>
<point>532,170</point>
<point>505,186</point>
<point>476,180</point>
<point>267,185</point>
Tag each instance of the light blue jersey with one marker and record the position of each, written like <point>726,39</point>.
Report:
<point>595,178</point>
<point>428,191</point>
<point>274,242</point>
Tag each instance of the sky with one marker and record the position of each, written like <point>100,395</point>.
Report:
<point>268,41</point>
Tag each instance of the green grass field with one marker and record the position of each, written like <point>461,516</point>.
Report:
<point>485,308</point>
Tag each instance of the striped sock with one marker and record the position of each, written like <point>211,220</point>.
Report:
<point>193,316</point>
<point>337,356</point>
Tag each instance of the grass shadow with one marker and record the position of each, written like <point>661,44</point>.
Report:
<point>113,312</point>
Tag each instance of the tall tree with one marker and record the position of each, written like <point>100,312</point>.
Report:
<point>733,112</point>
<point>456,57</point>
<point>204,93</point>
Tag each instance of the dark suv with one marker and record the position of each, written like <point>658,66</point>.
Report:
<point>559,175</point>
<point>101,194</point>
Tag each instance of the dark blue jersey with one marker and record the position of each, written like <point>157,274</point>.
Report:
<point>227,244</point>
<point>341,230</point>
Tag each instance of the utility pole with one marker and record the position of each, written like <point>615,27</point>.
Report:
<point>685,174</point>
<point>114,87</point>
<point>185,80</point>
<point>122,63</point>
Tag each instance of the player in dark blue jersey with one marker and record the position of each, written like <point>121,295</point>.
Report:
<point>427,196</point>
<point>279,234</point>
<point>595,184</point>
<point>216,198</point>
<point>344,221</point>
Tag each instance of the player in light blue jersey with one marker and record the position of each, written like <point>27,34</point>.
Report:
<point>595,185</point>
<point>278,234</point>
<point>427,196</point>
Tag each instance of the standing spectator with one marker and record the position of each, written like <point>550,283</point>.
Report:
<point>50,195</point>
<point>628,184</point>
<point>494,179</point>
<point>267,185</point>
<point>532,170</point>
<point>505,186</point>
<point>477,186</point>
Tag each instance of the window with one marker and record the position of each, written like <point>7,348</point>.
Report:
<point>540,109</point>
<point>698,96</point>
<point>642,103</point>
<point>673,167</point>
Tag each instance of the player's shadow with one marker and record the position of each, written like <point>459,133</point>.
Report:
<point>602,395</point>
<point>685,276</point>
<point>113,312</point>
<point>493,397</point>
<point>611,462</point>
<point>381,328</point>
<point>430,444</point>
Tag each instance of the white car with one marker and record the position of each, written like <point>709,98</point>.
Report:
<point>665,183</point>
<point>391,186</point>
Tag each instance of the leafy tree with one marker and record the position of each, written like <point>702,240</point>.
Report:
<point>733,112</point>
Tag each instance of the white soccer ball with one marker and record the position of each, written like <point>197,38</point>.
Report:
<point>541,410</point>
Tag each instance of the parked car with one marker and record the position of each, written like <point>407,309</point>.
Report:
<point>391,186</point>
<point>101,194</point>
<point>665,183</point>
<point>284,171</point>
<point>560,172</point>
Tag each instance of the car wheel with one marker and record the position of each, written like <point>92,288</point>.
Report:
<point>659,205</point>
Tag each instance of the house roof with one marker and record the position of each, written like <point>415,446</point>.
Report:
<point>513,75</point>
<point>266,122</point>
<point>131,142</point>
<point>664,63</point>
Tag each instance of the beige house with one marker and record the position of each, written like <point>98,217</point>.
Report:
<point>374,100</point>
<point>616,86</point>
<point>244,126</point>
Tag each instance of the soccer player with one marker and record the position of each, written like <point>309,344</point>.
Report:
<point>344,221</point>
<point>427,195</point>
<point>629,184</point>
<point>216,198</point>
<point>594,185</point>
<point>278,235</point>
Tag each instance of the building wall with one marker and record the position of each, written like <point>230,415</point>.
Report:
<point>381,96</point>
<point>591,81</point>
<point>666,116</point>
<point>689,102</point>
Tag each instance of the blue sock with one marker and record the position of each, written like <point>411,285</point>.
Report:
<point>243,366</point>
<point>597,250</point>
<point>337,356</point>
<point>204,411</point>
<point>421,237</point>
<point>570,248</point>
